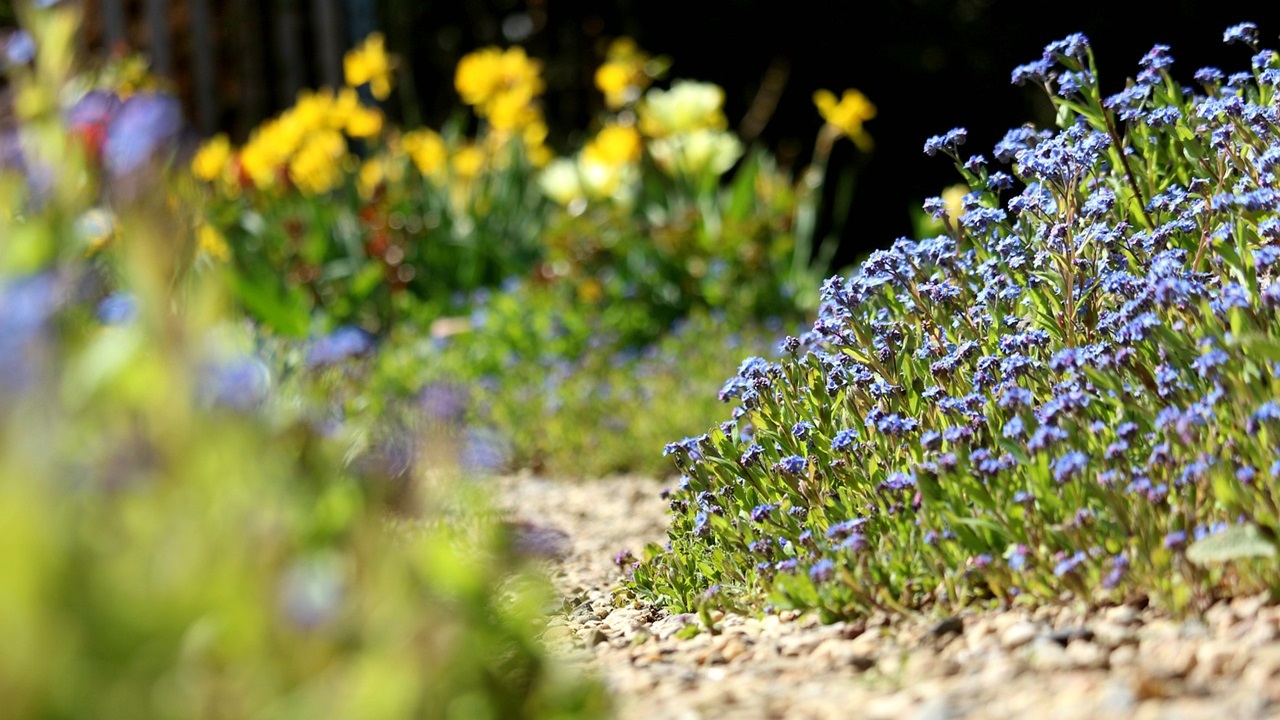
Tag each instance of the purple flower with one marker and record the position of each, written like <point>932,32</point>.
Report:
<point>793,464</point>
<point>1245,32</point>
<point>117,309</point>
<point>1070,563</point>
<point>345,342</point>
<point>752,455</point>
<point>1069,465</point>
<point>843,440</point>
<point>240,384</point>
<point>761,512</point>
<point>139,130</point>
<point>1175,539</point>
<point>822,572</point>
<point>952,140</point>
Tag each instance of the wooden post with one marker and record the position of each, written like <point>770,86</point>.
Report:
<point>329,41</point>
<point>113,23</point>
<point>158,37</point>
<point>251,85</point>
<point>206,82</point>
<point>288,52</point>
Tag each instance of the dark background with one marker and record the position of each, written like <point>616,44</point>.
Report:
<point>928,65</point>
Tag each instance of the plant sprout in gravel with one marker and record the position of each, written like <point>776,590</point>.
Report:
<point>1073,389</point>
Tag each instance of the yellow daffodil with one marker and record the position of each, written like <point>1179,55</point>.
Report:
<point>316,168</point>
<point>210,162</point>
<point>614,145</point>
<point>623,77</point>
<point>686,107</point>
<point>467,162</point>
<point>847,114</point>
<point>364,122</point>
<point>500,85</point>
<point>372,174</point>
<point>369,63</point>
<point>428,152</point>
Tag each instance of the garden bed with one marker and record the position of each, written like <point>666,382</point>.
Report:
<point>1057,661</point>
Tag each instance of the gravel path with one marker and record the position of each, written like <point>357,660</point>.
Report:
<point>1118,662</point>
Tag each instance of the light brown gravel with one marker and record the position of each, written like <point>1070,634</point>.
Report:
<point>1055,662</point>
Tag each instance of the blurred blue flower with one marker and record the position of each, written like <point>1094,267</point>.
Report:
<point>142,127</point>
<point>117,309</point>
<point>239,384</point>
<point>345,342</point>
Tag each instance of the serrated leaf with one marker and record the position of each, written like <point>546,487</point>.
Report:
<point>1234,543</point>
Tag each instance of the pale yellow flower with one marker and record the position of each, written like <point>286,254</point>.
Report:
<point>559,181</point>
<point>696,152</point>
<point>686,107</point>
<point>847,114</point>
<point>953,198</point>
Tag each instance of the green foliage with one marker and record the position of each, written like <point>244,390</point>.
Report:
<point>177,540</point>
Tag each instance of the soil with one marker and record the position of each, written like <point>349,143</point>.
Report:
<point>1053,662</point>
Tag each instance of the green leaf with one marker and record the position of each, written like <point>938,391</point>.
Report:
<point>1234,543</point>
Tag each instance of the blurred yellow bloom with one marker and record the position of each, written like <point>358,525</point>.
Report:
<point>614,145</point>
<point>364,122</point>
<point>686,107</point>
<point>428,152</point>
<point>312,110</point>
<point>499,84</point>
<point>953,197</point>
<point>316,168</point>
<point>467,162</point>
<point>211,160</point>
<point>211,243</point>
<point>622,77</point>
<point>372,174</point>
<point>606,181</point>
<point>369,63</point>
<point>559,181</point>
<point>847,114</point>
<point>697,152</point>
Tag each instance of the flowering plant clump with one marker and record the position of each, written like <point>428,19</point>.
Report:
<point>1074,388</point>
<point>178,536</point>
<point>332,215</point>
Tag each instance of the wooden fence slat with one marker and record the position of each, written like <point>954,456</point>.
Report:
<point>206,90</point>
<point>158,36</point>
<point>251,86</point>
<point>288,52</point>
<point>329,42</point>
<point>113,22</point>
